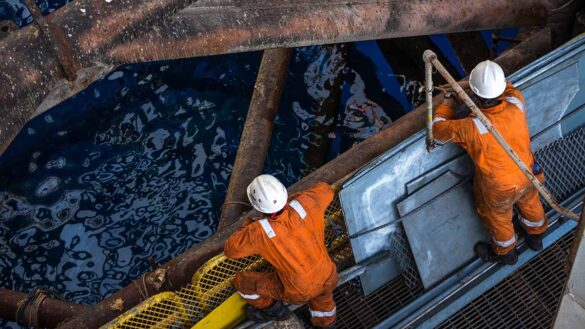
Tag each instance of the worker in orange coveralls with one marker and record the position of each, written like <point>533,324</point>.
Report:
<point>290,235</point>
<point>498,184</point>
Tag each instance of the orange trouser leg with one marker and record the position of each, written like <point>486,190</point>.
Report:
<point>532,215</point>
<point>322,308</point>
<point>494,208</point>
<point>260,290</point>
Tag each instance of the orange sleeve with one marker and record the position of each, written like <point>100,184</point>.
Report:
<point>241,243</point>
<point>322,194</point>
<point>444,127</point>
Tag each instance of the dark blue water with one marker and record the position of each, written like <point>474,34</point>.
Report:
<point>137,165</point>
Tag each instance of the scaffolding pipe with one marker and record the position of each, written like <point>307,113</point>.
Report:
<point>50,312</point>
<point>430,57</point>
<point>257,132</point>
<point>429,101</point>
<point>181,268</point>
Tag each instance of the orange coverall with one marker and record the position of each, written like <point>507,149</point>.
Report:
<point>294,243</point>
<point>498,182</point>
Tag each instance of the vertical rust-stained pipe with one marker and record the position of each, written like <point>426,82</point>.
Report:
<point>257,132</point>
<point>181,268</point>
<point>51,311</point>
<point>56,40</point>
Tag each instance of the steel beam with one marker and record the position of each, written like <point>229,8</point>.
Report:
<point>257,132</point>
<point>123,31</point>
<point>470,48</point>
<point>180,269</point>
<point>227,26</point>
<point>30,67</point>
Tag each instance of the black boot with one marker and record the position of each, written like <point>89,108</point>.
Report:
<point>534,241</point>
<point>276,312</point>
<point>487,254</point>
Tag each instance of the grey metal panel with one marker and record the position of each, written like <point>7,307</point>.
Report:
<point>460,166</point>
<point>548,99</point>
<point>377,275</point>
<point>370,201</point>
<point>431,190</point>
<point>442,244</point>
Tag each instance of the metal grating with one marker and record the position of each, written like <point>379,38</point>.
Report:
<point>563,162</point>
<point>211,284</point>
<point>529,298</point>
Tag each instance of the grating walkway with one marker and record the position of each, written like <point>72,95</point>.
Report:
<point>529,298</point>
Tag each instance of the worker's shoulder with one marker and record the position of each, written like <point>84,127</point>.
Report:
<point>512,91</point>
<point>317,193</point>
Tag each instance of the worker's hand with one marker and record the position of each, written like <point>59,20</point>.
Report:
<point>451,102</point>
<point>336,187</point>
<point>464,84</point>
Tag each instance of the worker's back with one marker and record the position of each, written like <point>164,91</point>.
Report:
<point>492,164</point>
<point>293,242</point>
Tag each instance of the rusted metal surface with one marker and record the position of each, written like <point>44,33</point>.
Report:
<point>51,311</point>
<point>257,132</point>
<point>56,41</point>
<point>124,31</point>
<point>6,27</point>
<point>470,47</point>
<point>225,26</point>
<point>181,268</point>
<point>29,67</point>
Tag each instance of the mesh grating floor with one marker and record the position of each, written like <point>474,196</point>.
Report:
<point>563,162</point>
<point>529,298</point>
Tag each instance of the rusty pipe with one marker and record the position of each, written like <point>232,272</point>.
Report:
<point>235,26</point>
<point>124,31</point>
<point>181,268</point>
<point>51,311</point>
<point>257,132</point>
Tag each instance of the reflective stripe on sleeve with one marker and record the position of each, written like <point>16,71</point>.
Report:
<point>319,314</point>
<point>251,297</point>
<point>516,102</point>
<point>505,244</point>
<point>267,228</point>
<point>298,207</point>
<point>437,119</point>
<point>531,224</point>
<point>480,127</point>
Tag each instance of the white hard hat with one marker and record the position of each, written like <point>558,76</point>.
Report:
<point>267,194</point>
<point>487,80</point>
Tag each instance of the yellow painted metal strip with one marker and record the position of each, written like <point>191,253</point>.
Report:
<point>227,315</point>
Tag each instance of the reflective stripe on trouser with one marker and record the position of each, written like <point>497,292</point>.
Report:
<point>262,289</point>
<point>495,209</point>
